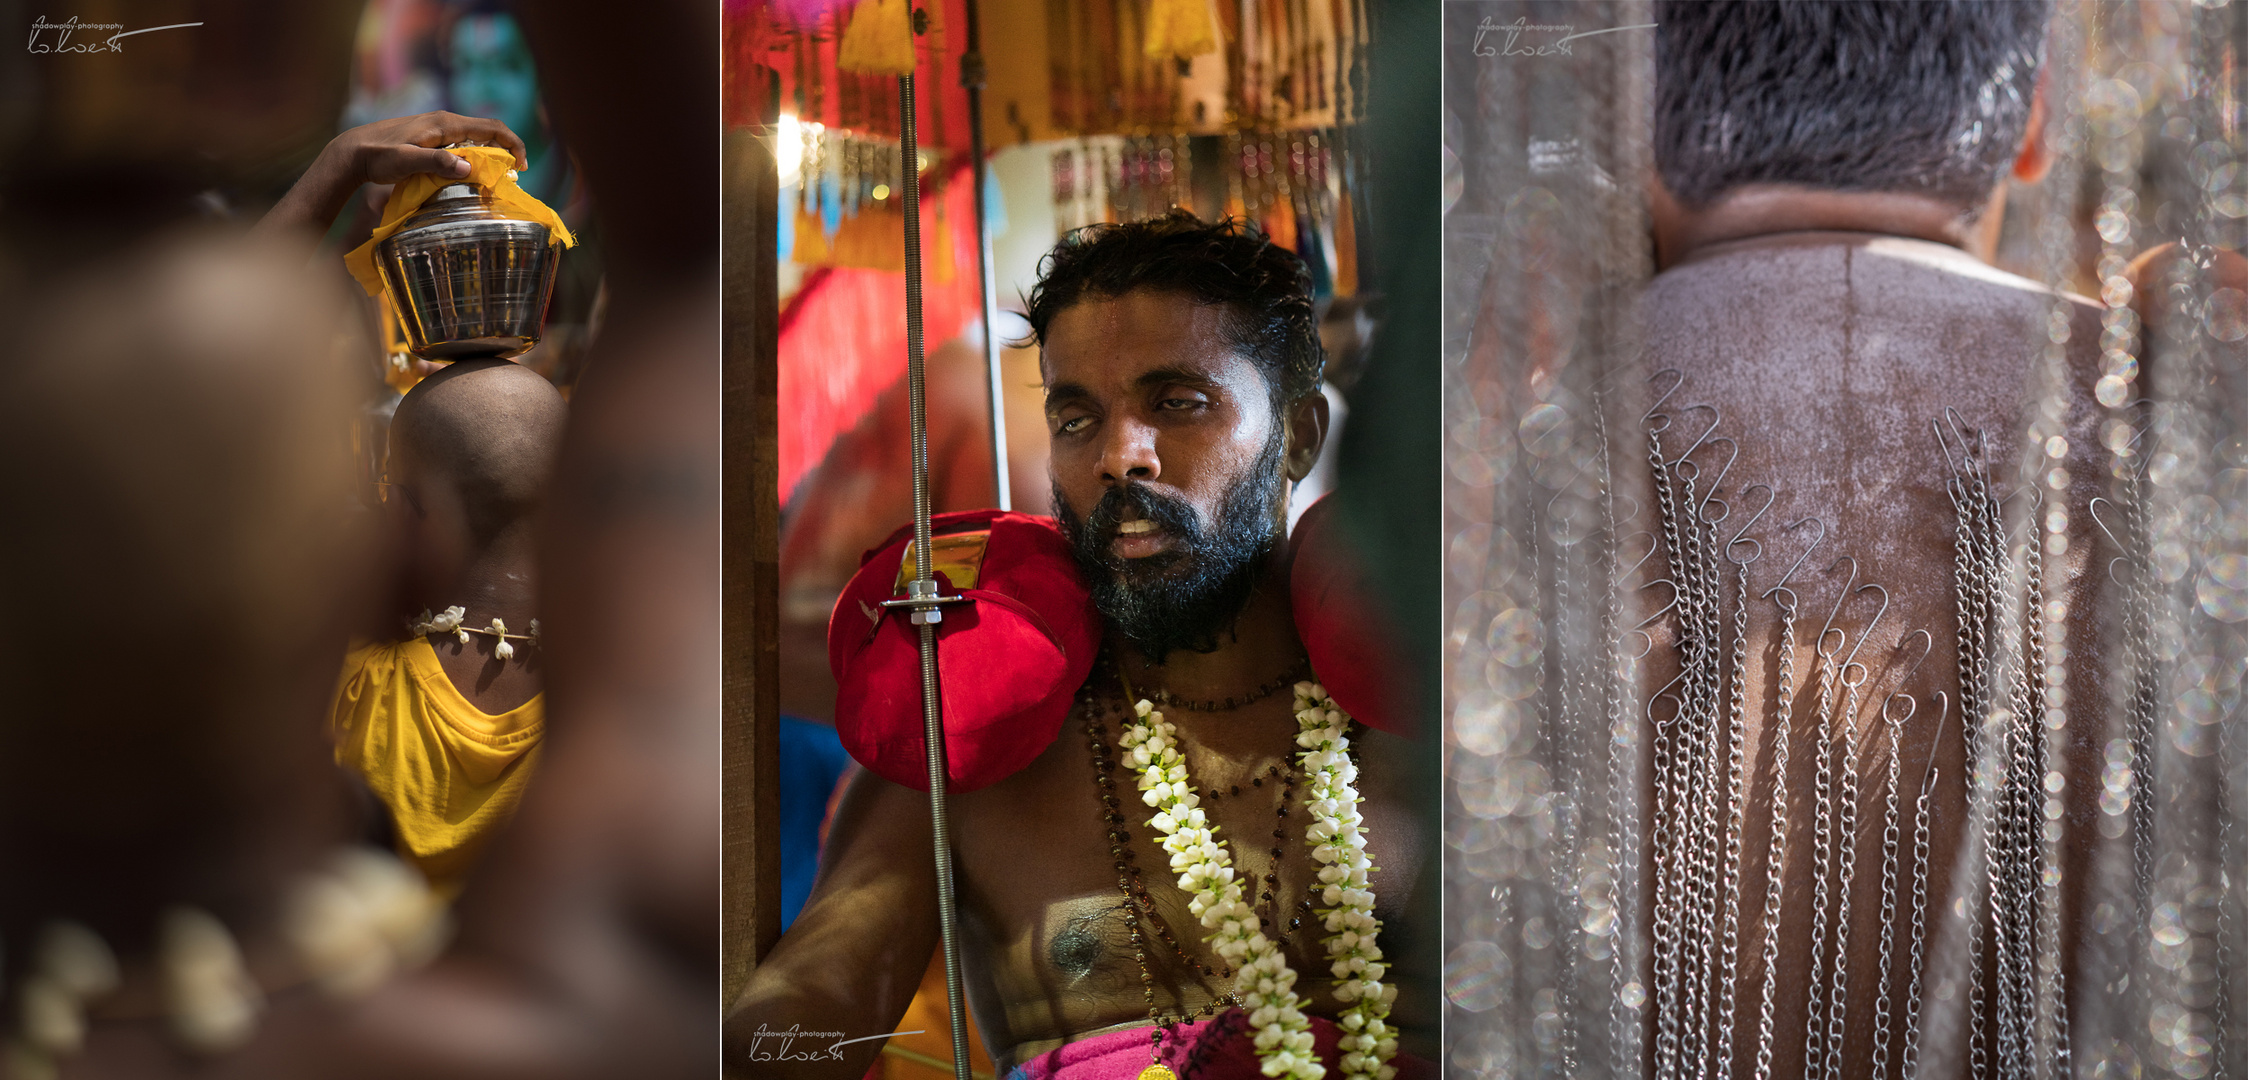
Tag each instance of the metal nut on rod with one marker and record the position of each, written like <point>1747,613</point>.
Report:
<point>921,596</point>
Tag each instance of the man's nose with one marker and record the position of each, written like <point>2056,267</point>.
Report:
<point>1129,456</point>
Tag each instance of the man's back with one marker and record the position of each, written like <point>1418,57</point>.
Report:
<point>1827,357</point>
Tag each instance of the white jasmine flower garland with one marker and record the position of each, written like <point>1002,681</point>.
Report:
<point>1267,985</point>
<point>1339,846</point>
<point>449,622</point>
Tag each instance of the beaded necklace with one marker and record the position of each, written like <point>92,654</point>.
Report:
<point>1264,984</point>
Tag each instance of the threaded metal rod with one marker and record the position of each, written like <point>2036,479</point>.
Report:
<point>940,826</point>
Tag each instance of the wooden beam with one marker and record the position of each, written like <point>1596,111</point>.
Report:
<point>752,573</point>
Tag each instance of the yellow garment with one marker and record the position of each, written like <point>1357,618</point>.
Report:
<point>449,772</point>
<point>488,168</point>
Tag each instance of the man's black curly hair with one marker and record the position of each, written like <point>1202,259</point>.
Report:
<point>1264,288</point>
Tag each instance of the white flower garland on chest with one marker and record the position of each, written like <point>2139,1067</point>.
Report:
<point>1267,984</point>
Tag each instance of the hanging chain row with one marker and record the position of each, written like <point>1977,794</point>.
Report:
<point>2018,1026</point>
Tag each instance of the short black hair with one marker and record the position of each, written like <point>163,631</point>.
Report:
<point>1264,287</point>
<point>1851,95</point>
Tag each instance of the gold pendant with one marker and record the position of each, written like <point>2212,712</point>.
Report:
<point>1158,1072</point>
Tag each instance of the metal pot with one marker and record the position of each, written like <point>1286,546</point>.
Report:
<point>466,281</point>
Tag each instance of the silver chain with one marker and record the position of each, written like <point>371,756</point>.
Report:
<point>1703,686</point>
<point>1776,858</point>
<point>1889,837</point>
<point>1623,852</point>
<point>1822,858</point>
<point>1919,922</point>
<point>1669,799</point>
<point>1735,810</point>
<point>1846,834</point>
<point>1562,733</point>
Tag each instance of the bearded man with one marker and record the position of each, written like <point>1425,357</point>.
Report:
<point>1181,363</point>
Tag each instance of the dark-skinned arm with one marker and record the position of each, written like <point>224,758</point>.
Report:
<point>383,152</point>
<point>857,952</point>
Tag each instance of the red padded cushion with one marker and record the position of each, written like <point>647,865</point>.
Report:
<point>1009,660</point>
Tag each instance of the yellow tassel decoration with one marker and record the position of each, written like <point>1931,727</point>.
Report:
<point>879,40</point>
<point>1180,28</point>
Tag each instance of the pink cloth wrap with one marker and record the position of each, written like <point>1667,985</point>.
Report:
<point>1215,1049</point>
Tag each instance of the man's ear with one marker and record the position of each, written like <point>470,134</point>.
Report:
<point>1665,220</point>
<point>1306,420</point>
<point>2035,159</point>
<point>442,541</point>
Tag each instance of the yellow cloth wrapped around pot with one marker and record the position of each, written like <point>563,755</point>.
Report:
<point>488,168</point>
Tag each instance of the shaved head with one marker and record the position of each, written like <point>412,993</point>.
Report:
<point>487,429</point>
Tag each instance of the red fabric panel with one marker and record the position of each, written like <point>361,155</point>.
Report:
<point>1347,632</point>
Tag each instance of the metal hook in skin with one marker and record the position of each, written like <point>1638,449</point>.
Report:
<point>1652,543</point>
<point>1634,515</point>
<point>1641,629</point>
<point>1912,706</point>
<point>1951,464</point>
<point>1839,600</point>
<point>2095,510</point>
<point>1742,537</point>
<point>1665,693</point>
<point>1928,779</point>
<point>1717,417</point>
<point>1666,608</point>
<point>1790,575</point>
<point>1719,483</point>
<point>1787,606</point>
<point>1867,634</point>
<point>1959,431</point>
<point>1851,683</point>
<point>1657,406</point>
<point>2119,545</point>
<point>2140,432</point>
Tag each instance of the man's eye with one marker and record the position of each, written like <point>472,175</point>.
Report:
<point>1072,425</point>
<point>1178,403</point>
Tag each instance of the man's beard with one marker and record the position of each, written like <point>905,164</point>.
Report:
<point>1186,596</point>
